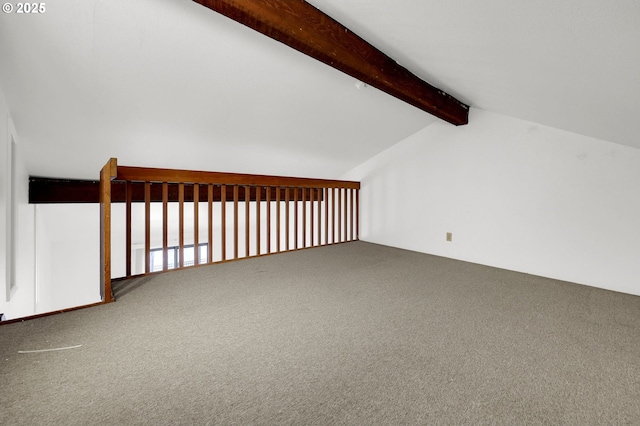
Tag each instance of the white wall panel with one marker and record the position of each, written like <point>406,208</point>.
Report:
<point>515,195</point>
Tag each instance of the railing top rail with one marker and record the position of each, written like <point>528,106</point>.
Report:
<point>148,174</point>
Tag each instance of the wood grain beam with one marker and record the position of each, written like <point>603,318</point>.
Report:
<point>301,26</point>
<point>62,191</point>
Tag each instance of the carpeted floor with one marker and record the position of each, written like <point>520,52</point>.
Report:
<point>352,334</point>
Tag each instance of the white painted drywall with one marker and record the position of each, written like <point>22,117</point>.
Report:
<point>44,262</point>
<point>20,301</point>
<point>4,202</point>
<point>515,194</point>
<point>68,255</point>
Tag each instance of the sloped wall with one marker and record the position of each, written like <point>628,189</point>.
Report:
<point>514,195</point>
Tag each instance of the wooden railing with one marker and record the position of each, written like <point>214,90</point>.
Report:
<point>280,214</point>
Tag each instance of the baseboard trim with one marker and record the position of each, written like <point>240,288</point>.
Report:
<point>46,314</point>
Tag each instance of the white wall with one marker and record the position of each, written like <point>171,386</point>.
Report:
<point>19,301</point>
<point>45,287</point>
<point>4,202</point>
<point>68,255</point>
<point>515,195</point>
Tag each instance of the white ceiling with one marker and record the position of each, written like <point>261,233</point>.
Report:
<point>570,64</point>
<point>169,83</point>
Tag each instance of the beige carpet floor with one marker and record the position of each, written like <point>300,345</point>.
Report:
<point>352,334</point>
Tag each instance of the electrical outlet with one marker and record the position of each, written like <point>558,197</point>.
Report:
<point>449,236</point>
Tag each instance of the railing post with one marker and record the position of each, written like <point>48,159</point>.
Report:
<point>108,172</point>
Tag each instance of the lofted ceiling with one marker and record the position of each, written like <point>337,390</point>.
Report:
<point>571,64</point>
<point>169,83</point>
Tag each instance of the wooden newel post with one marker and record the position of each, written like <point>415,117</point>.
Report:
<point>108,172</point>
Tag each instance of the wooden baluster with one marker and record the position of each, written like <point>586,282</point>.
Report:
<point>210,225</point>
<point>247,219</point>
<point>357,214</point>
<point>304,217</point>
<point>235,221</point>
<point>258,200</point>
<point>319,192</point>
<point>339,215</point>
<point>129,192</point>
<point>286,217</point>
<point>344,194</point>
<point>311,211</point>
<point>196,231</point>
<point>147,227</point>
<point>268,219</point>
<point>333,213</point>
<point>352,193</point>
<point>165,226</point>
<point>223,221</point>
<point>326,215</point>
<point>278,189</point>
<point>181,223</point>
<point>295,218</point>
<point>345,212</point>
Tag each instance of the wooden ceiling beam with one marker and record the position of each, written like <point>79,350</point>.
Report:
<point>62,191</point>
<point>301,26</point>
